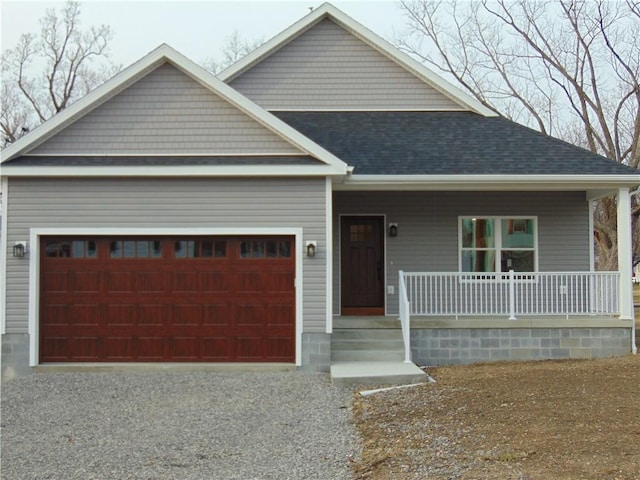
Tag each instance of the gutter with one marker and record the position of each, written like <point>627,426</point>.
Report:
<point>599,183</point>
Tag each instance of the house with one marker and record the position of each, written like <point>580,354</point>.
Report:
<point>323,184</point>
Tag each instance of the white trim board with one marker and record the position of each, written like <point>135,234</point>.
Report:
<point>3,255</point>
<point>34,267</point>
<point>173,171</point>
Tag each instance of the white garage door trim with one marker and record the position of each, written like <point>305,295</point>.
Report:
<point>34,266</point>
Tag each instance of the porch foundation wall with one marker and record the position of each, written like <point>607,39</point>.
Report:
<point>316,352</point>
<point>15,355</point>
<point>457,346</point>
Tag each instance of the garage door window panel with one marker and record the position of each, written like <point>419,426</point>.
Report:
<point>151,249</point>
<point>259,249</point>
<point>200,249</point>
<point>71,249</point>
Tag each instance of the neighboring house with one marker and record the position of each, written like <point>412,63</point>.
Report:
<point>172,216</point>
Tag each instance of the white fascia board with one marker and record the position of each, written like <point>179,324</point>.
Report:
<point>488,182</point>
<point>327,10</point>
<point>174,171</point>
<point>163,54</point>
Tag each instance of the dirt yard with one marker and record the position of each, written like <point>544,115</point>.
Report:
<point>523,421</point>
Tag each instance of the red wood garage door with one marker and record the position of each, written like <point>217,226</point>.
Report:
<point>213,299</point>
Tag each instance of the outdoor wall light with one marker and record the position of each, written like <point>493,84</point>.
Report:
<point>19,249</point>
<point>312,246</point>
<point>393,229</point>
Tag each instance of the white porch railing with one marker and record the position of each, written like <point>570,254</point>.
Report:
<point>510,294</point>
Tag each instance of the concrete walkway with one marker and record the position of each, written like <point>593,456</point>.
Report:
<point>376,373</point>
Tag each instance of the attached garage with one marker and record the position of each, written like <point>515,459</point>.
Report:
<point>167,299</point>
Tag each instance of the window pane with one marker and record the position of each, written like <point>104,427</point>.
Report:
<point>180,249</point>
<point>258,249</point>
<point>143,248</point>
<point>272,249</point>
<point>517,233</point>
<point>221,249</point>
<point>129,248</point>
<point>77,249</point>
<point>58,249</point>
<point>116,249</point>
<point>91,249</point>
<point>478,233</point>
<point>156,249</point>
<point>206,248</point>
<point>478,261</point>
<point>245,249</point>
<point>518,261</point>
<point>285,249</point>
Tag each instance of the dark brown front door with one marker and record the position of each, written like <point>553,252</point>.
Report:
<point>178,299</point>
<point>362,265</point>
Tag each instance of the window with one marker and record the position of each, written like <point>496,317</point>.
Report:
<point>200,248</point>
<point>495,244</point>
<point>135,249</point>
<point>71,249</point>
<point>265,249</point>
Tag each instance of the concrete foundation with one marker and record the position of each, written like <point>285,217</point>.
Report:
<point>316,352</point>
<point>455,346</point>
<point>15,355</point>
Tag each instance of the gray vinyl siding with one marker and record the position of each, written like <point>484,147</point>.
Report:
<point>166,112</point>
<point>183,203</point>
<point>327,67</point>
<point>427,238</point>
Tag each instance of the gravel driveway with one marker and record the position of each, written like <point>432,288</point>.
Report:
<point>197,425</point>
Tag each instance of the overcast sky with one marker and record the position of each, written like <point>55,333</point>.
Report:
<point>196,29</point>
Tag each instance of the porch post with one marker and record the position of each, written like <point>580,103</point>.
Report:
<point>625,259</point>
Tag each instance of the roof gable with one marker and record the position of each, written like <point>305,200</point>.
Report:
<point>328,68</point>
<point>254,79</point>
<point>166,60</point>
<point>166,112</point>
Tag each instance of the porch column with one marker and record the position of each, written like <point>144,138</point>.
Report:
<point>625,258</point>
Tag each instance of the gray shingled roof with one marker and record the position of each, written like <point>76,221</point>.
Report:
<point>146,161</point>
<point>445,143</point>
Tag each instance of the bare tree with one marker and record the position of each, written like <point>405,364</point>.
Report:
<point>569,68</point>
<point>234,48</point>
<point>43,74</point>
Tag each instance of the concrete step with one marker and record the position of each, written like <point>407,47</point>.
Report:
<point>366,355</point>
<point>366,333</point>
<point>376,373</point>
<point>367,345</point>
<point>390,322</point>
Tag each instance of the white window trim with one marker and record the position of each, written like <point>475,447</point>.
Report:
<point>498,240</point>
<point>34,267</point>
